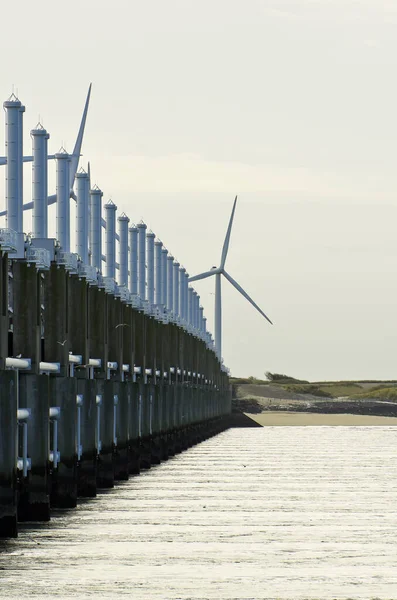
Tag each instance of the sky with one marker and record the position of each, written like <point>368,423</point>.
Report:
<point>290,104</point>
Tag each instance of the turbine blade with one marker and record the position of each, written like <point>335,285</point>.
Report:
<point>240,289</point>
<point>74,162</point>
<point>203,275</point>
<point>227,238</point>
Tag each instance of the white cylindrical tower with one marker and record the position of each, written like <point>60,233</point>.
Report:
<point>96,227</point>
<point>40,139</point>
<point>123,221</point>
<point>150,266</point>
<point>142,260</point>
<point>14,167</point>
<point>201,319</point>
<point>82,224</point>
<point>190,305</point>
<point>170,283</point>
<point>164,279</point>
<point>186,296</point>
<point>182,273</point>
<point>158,269</point>
<point>63,200</point>
<point>197,313</point>
<point>110,239</point>
<point>133,260</point>
<point>176,289</point>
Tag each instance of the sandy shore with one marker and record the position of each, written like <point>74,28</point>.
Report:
<point>270,418</point>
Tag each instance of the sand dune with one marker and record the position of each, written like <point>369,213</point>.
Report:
<point>271,418</point>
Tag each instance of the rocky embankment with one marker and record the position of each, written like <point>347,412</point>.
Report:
<point>255,399</point>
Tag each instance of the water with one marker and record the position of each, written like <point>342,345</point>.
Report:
<point>278,512</point>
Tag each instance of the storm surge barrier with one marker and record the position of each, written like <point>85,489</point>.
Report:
<point>106,364</point>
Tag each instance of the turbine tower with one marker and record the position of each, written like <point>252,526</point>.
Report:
<point>218,271</point>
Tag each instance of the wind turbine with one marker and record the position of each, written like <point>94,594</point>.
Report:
<point>218,271</point>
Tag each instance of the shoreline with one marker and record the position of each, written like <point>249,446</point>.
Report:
<point>298,419</point>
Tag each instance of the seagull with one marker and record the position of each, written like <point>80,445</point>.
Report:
<point>62,343</point>
<point>18,356</point>
<point>122,325</point>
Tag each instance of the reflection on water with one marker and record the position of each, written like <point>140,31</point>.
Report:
<point>300,512</point>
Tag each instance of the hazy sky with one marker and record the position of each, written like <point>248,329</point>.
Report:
<point>289,103</point>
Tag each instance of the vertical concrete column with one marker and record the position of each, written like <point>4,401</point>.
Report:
<point>182,274</point>
<point>78,319</point>
<point>110,239</point>
<point>63,392</point>
<point>8,454</point>
<point>105,464</point>
<point>14,166</point>
<point>95,234</point>
<point>170,283</point>
<point>133,259</point>
<point>82,215</point>
<point>115,332</point>
<point>164,279</point>
<point>133,421</point>
<point>142,260</point>
<point>56,317</point>
<point>176,289</point>
<point>87,461</point>
<point>3,307</point>
<point>97,327</point>
<point>123,221</point>
<point>190,305</point>
<point>120,430</point>
<point>26,316</point>
<point>63,199</point>
<point>158,270</point>
<point>34,500</point>
<point>40,139</point>
<point>150,267</point>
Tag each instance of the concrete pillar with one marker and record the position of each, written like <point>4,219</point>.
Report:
<point>87,463</point>
<point>105,470</point>
<point>142,260</point>
<point>158,267</point>
<point>14,166</point>
<point>26,320</point>
<point>8,454</point>
<point>133,259</point>
<point>34,501</point>
<point>82,215</point>
<point>63,199</point>
<point>95,232</point>
<point>110,239</point>
<point>133,421</point>
<point>123,221</point>
<point>40,139</point>
<point>121,451</point>
<point>164,278</point>
<point>63,392</point>
<point>3,307</point>
<point>97,324</point>
<point>150,267</point>
<point>56,317</point>
<point>78,319</point>
<point>176,289</point>
<point>170,283</point>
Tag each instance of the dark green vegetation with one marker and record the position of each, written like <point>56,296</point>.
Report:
<point>365,389</point>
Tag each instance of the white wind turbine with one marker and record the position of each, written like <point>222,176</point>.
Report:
<point>218,271</point>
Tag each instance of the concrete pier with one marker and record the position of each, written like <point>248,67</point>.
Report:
<point>34,499</point>
<point>8,454</point>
